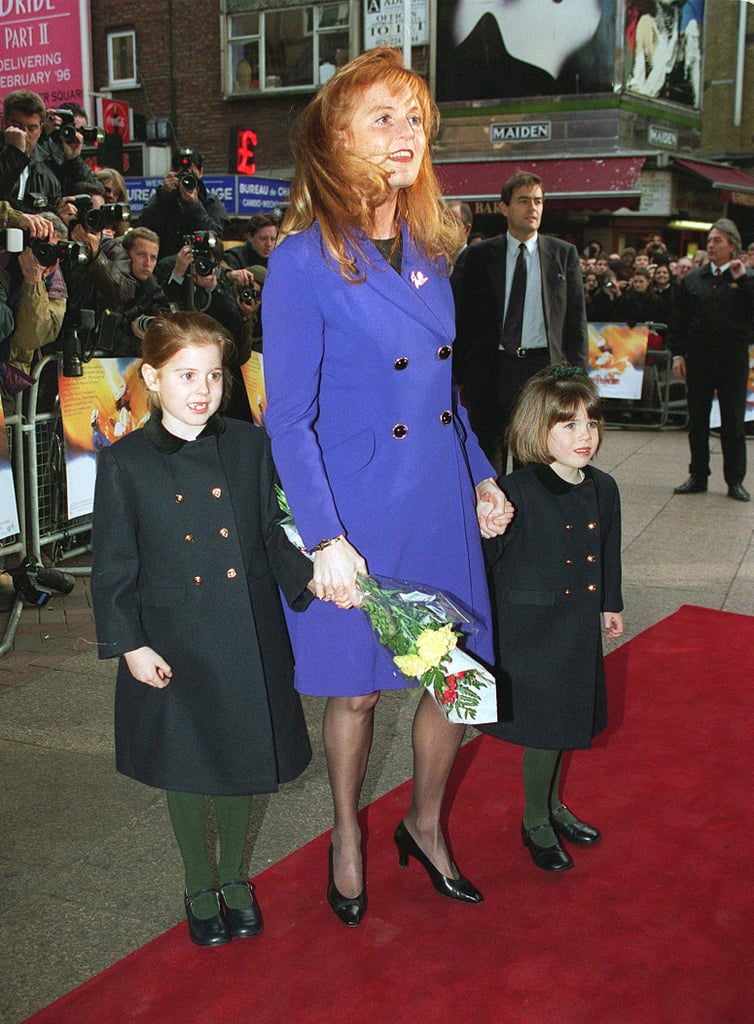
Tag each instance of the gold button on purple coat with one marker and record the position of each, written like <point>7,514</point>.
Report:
<point>400,363</point>
<point>224,532</point>
<point>198,581</point>
<point>217,492</point>
<point>400,430</point>
<point>446,417</point>
<point>444,352</point>
<point>231,574</point>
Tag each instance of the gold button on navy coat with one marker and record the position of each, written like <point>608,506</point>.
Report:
<point>172,575</point>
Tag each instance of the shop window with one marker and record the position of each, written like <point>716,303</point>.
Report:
<point>287,47</point>
<point>121,59</point>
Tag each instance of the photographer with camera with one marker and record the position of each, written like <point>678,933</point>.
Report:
<point>65,131</point>
<point>121,330</point>
<point>182,205</point>
<point>104,280</point>
<point>38,298</point>
<point>26,179</point>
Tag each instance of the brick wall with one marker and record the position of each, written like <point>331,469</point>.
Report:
<point>179,69</point>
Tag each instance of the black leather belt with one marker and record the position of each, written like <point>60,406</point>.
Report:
<point>523,353</point>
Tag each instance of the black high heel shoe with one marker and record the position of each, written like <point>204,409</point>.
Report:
<point>348,909</point>
<point>454,888</point>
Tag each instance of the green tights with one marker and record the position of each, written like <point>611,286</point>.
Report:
<point>188,816</point>
<point>542,793</point>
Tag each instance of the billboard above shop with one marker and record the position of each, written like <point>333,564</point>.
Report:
<point>492,50</point>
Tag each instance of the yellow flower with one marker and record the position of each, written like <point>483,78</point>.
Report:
<point>433,644</point>
<point>411,664</point>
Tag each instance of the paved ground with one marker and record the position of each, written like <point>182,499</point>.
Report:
<point>87,862</point>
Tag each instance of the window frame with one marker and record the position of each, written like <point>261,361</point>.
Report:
<point>120,83</point>
<point>310,30</point>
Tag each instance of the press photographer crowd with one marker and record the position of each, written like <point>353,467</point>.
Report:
<point>78,277</point>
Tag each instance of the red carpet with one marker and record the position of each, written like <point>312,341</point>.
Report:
<point>653,926</point>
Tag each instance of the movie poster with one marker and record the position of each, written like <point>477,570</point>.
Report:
<point>616,359</point>
<point>714,420</point>
<point>663,49</point>
<point>100,407</point>
<point>9,526</point>
<point>501,49</point>
<point>252,372</point>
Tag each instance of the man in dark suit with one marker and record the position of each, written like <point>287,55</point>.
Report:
<point>520,307</point>
<point>711,332</point>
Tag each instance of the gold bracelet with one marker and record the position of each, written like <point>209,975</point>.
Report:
<point>326,543</point>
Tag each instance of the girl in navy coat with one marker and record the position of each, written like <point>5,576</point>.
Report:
<point>188,557</point>
<point>377,461</point>
<point>556,570</point>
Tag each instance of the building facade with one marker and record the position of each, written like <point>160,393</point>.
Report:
<point>632,110</point>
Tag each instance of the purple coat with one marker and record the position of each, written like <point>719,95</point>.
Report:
<point>368,441</point>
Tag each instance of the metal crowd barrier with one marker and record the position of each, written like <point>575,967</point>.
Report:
<point>16,544</point>
<point>50,530</point>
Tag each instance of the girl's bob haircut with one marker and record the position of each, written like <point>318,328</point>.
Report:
<point>167,335</point>
<point>554,395</point>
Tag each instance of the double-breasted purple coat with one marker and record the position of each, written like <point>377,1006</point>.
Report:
<point>369,441</point>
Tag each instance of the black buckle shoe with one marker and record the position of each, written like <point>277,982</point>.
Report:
<point>694,485</point>
<point>245,923</point>
<point>206,931</point>
<point>549,858</point>
<point>577,832</point>
<point>738,492</point>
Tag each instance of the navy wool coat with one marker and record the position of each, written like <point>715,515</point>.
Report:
<point>369,441</point>
<point>554,571</point>
<point>188,556</point>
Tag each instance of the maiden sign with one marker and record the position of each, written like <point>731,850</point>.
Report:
<point>44,46</point>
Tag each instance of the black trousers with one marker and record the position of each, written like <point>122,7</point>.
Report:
<point>727,374</point>
<point>511,373</point>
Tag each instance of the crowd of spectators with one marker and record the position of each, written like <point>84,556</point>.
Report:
<point>81,267</point>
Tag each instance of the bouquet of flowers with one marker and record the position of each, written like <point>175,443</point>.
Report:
<point>416,623</point>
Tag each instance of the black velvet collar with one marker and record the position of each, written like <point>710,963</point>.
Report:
<point>164,441</point>
<point>556,484</point>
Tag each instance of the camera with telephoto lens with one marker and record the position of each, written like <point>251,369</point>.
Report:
<point>202,251</point>
<point>76,323</point>
<point>249,294</point>
<point>36,583</point>
<point>67,131</point>
<point>95,219</point>
<point>46,253</point>
<point>189,180</point>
